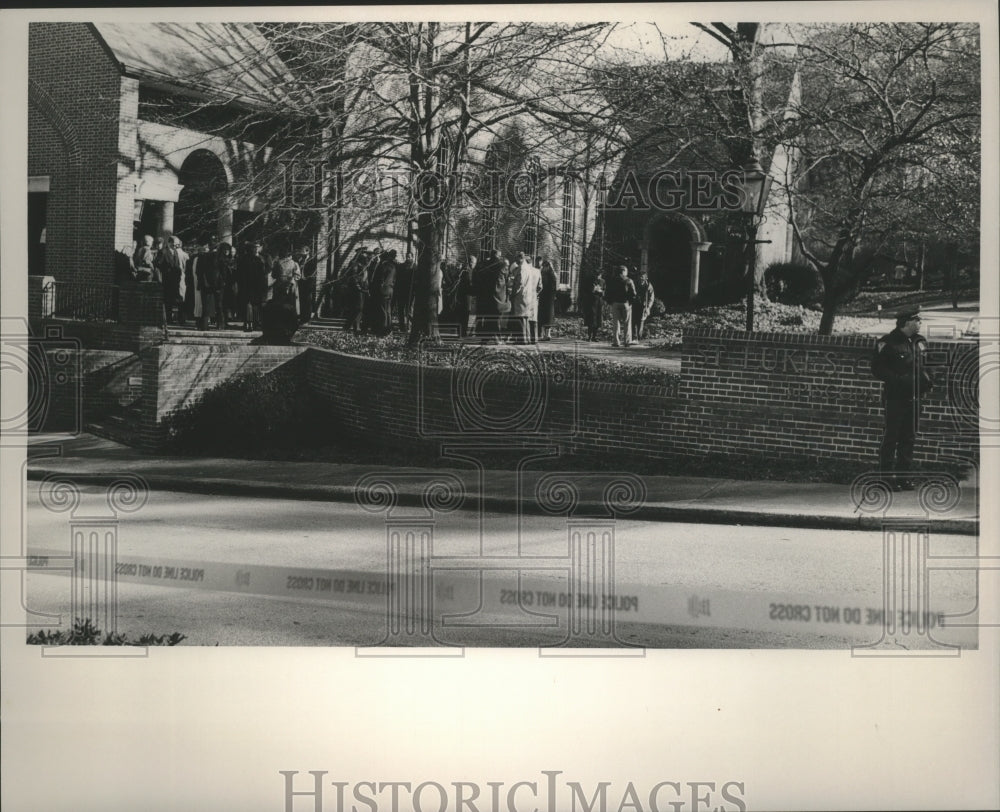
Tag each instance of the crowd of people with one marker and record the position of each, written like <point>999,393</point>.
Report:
<point>629,295</point>
<point>210,285</point>
<point>497,300</point>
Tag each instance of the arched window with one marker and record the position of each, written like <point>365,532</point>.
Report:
<point>492,201</point>
<point>566,252</point>
<point>533,166</point>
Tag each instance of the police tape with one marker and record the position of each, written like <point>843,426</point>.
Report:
<point>217,576</point>
<point>516,597</point>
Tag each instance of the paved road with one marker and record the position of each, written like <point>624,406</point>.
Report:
<point>683,585</point>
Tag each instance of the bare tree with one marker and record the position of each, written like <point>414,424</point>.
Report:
<point>416,103</point>
<point>373,128</point>
<point>884,128</point>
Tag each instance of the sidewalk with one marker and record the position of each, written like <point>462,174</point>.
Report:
<point>93,460</point>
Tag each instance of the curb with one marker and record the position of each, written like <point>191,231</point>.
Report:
<point>655,512</point>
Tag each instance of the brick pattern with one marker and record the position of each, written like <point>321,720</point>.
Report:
<point>176,375</point>
<point>785,396</point>
<point>104,336</point>
<point>141,304</point>
<point>77,96</point>
<point>84,385</point>
<point>805,395</point>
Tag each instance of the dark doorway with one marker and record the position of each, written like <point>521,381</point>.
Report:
<point>38,203</point>
<point>202,197</point>
<point>149,220</point>
<point>669,260</point>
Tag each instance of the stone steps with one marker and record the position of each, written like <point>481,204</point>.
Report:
<point>183,335</point>
<point>446,330</point>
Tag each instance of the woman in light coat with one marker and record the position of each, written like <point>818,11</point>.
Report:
<point>524,299</point>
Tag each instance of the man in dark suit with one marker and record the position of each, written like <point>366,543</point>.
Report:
<point>208,281</point>
<point>252,278</point>
<point>490,284</point>
<point>898,362</point>
<point>307,284</point>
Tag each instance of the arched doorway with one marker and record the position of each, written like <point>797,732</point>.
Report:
<point>203,198</point>
<point>670,254</point>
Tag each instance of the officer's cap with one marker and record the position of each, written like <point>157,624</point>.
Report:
<point>904,316</point>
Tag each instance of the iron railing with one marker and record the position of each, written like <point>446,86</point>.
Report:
<point>83,301</point>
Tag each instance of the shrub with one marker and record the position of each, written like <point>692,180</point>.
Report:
<point>256,408</point>
<point>793,283</point>
<point>85,633</point>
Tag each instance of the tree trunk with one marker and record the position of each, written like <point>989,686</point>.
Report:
<point>830,307</point>
<point>430,241</point>
<point>952,261</point>
<point>921,261</point>
<point>747,98</point>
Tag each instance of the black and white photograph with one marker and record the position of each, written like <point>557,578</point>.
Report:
<point>589,407</point>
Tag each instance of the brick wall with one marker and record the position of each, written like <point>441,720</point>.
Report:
<point>141,304</point>
<point>394,403</point>
<point>77,99</point>
<point>780,395</point>
<point>103,335</point>
<point>805,395</point>
<point>80,385</point>
<point>175,375</point>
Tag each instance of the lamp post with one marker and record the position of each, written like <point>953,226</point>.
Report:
<point>756,184</point>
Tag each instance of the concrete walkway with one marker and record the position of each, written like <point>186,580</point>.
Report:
<point>92,460</point>
<point>940,322</point>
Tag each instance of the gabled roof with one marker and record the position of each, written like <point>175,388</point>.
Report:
<point>227,61</point>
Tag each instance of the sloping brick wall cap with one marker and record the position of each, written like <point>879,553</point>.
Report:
<point>810,339</point>
<point>511,378</point>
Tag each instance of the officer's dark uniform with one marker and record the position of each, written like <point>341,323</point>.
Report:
<point>898,363</point>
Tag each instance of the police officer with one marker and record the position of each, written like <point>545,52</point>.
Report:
<point>898,363</point>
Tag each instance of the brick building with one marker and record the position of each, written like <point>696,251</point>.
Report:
<point>128,135</point>
<point>144,128</point>
<point>140,129</point>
